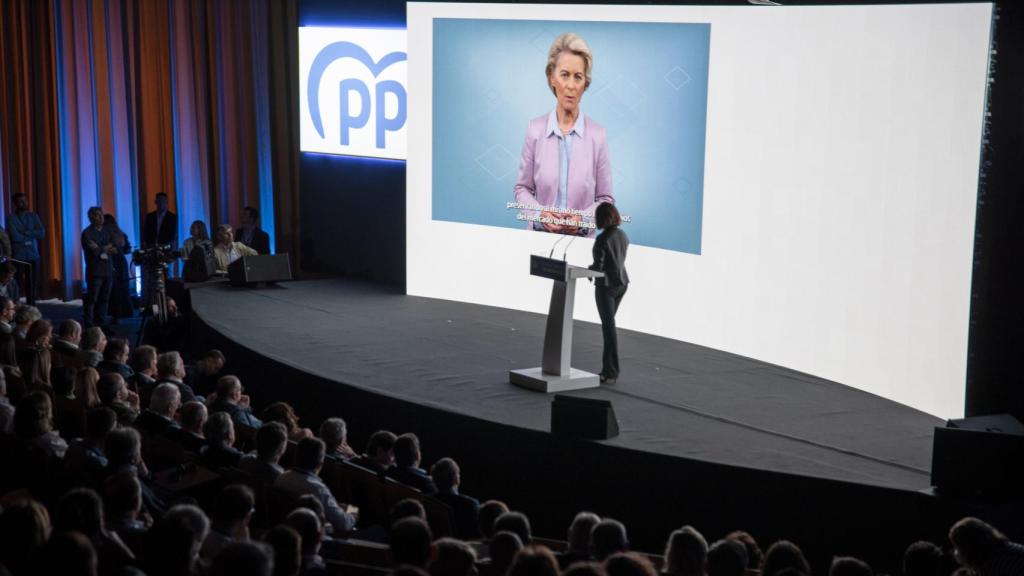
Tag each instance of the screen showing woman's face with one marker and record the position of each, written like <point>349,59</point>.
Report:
<point>569,79</point>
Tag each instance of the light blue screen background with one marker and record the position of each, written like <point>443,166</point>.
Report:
<point>649,91</point>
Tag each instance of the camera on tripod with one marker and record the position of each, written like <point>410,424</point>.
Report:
<point>155,256</point>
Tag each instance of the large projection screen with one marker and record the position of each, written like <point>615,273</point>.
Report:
<point>836,208</point>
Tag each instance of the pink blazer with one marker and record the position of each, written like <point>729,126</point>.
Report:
<point>590,172</point>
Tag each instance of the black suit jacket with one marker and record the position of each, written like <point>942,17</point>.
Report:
<point>260,241</point>
<point>167,234</point>
<point>610,257</point>
<point>414,477</point>
<point>465,509</point>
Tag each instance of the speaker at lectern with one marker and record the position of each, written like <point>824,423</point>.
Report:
<point>555,374</point>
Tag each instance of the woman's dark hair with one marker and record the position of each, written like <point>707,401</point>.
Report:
<point>34,415</point>
<point>782,555</point>
<point>975,541</point>
<point>607,215</point>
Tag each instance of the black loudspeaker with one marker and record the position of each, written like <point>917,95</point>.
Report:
<point>979,455</point>
<point>263,268</point>
<point>583,417</point>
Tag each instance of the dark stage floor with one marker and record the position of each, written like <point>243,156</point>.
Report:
<point>674,399</point>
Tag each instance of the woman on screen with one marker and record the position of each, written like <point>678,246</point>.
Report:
<point>564,167</point>
<point>610,258</point>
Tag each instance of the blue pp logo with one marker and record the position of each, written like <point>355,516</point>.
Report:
<point>352,91</point>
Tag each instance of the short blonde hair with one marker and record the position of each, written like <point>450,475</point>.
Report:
<point>574,44</point>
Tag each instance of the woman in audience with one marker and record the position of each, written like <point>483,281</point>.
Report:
<point>979,547</point>
<point>81,510</point>
<point>33,424</point>
<point>784,555</point>
<point>686,552</point>
<point>24,528</point>
<point>284,413</point>
<point>120,288</point>
<point>71,410</point>
<point>579,539</point>
<point>34,355</point>
<point>534,561</point>
<point>629,564</point>
<point>198,236</point>
<point>227,250</point>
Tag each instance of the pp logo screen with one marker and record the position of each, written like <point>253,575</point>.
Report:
<point>352,95</point>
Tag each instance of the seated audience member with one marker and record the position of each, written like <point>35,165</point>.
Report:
<point>407,508</point>
<point>534,561</point>
<point>90,350</point>
<point>67,554</point>
<point>123,449</point>
<point>517,523</point>
<point>231,400</point>
<point>171,368</point>
<point>685,553</point>
<point>502,549</point>
<point>24,316</point>
<point>304,478</point>
<point>311,533</point>
<point>264,464</point>
<point>190,434</point>
<point>848,566</point>
<point>283,412</point>
<point>979,547</point>
<point>33,424</point>
<point>34,356</point>
<point>607,538</point>
<point>784,555</point>
<point>173,543</point>
<point>380,452</point>
<point>406,468</point>
<point>24,528</point>
<point>287,545</point>
<point>585,569</point>
<point>114,394</point>
<point>727,558</point>
<point>85,461</point>
<point>115,359</point>
<point>65,347</point>
<point>229,522</point>
<point>7,310</point>
<point>81,510</point>
<point>250,232</point>
<point>226,250</point>
<point>578,540</point>
<point>334,433</point>
<point>754,555</point>
<point>158,419</point>
<point>923,559</point>
<point>489,512</point>
<point>207,371</point>
<point>123,497</point>
<point>143,363</point>
<point>6,408</point>
<point>8,283</point>
<point>452,558</point>
<point>629,564</point>
<point>447,478</point>
<point>220,437</point>
<point>244,558</point>
<point>409,541</point>
<point>8,350</point>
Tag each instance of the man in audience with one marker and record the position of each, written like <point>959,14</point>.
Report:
<point>607,538</point>
<point>517,523</point>
<point>6,408</point>
<point>114,394</point>
<point>190,435</point>
<point>754,555</point>
<point>304,478</point>
<point>123,449</point>
<point>244,557</point>
<point>250,233</point>
<point>784,555</point>
<point>271,442</point>
<point>849,566</point>
<point>334,433</point>
<point>7,311</point>
<point>922,558</point>
<point>305,522</point>
<point>174,542</point>
<point>230,399</point>
<point>447,477</point>
<point>410,542</point>
<point>380,452</point>
<point>727,558</point>
<point>229,522</point>
<point>407,465</point>
<point>502,549</point>
<point>452,558</point>
<point>489,512</point>
<point>979,547</point>
<point>171,368</point>
<point>24,316</point>
<point>115,359</point>
<point>90,351</point>
<point>143,363</point>
<point>685,552</point>
<point>578,549</point>
<point>85,461</point>
<point>123,497</point>
<point>220,436</point>
<point>204,375</point>
<point>163,405</point>
<point>287,545</point>
<point>64,350</point>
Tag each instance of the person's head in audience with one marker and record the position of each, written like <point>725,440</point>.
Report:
<point>922,558</point>
<point>229,389</point>
<point>309,527</point>
<point>99,422</point>
<point>407,451</point>
<point>487,514</point>
<point>197,230</point>
<point>211,362</point>
<point>407,508</point>
<point>452,558</point>
<point>220,430</point>
<point>727,558</point>
<point>123,448</point>
<point>225,235</point>
<point>754,555</point>
<point>33,416</point>
<point>629,564</point>
<point>39,334</point>
<point>516,522</point>
<point>170,366</point>
<point>975,542</point>
<point>781,555</point>
<point>502,548</point>
<point>70,331</point>
<point>243,558</point>
<point>85,387</point>
<point>7,310</point>
<point>309,455</point>
<point>607,538</point>
<point>334,433</point>
<point>446,475</point>
<point>284,413</point>
<point>271,442</point>
<point>63,382</point>
<point>409,541</point>
<point>849,566</point>
<point>686,552</point>
<point>24,316</point>
<point>143,360</point>
<point>116,351</point>
<point>172,545</point>
<point>585,569</point>
<point>312,503</point>
<point>534,561</point>
<point>193,417</point>
<point>380,448</point>
<point>287,545</point>
<point>24,528</point>
<point>68,554</point>
<point>80,509</point>
<point>579,532</point>
<point>112,389</point>
<point>93,340</point>
<point>166,400</point>
<point>233,510</point>
<point>123,496</point>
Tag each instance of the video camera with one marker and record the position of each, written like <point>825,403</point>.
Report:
<point>156,256</point>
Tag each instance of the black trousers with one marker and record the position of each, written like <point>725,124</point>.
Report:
<point>608,299</point>
<point>96,300</point>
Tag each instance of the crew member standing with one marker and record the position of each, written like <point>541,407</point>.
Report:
<point>609,257</point>
<point>26,230</point>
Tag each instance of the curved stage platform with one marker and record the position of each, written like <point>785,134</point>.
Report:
<point>707,438</point>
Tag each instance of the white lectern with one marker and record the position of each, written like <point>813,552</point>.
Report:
<point>555,373</point>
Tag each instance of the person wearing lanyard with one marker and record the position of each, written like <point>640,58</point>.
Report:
<point>26,230</point>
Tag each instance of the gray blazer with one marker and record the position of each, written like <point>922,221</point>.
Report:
<point>610,257</point>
